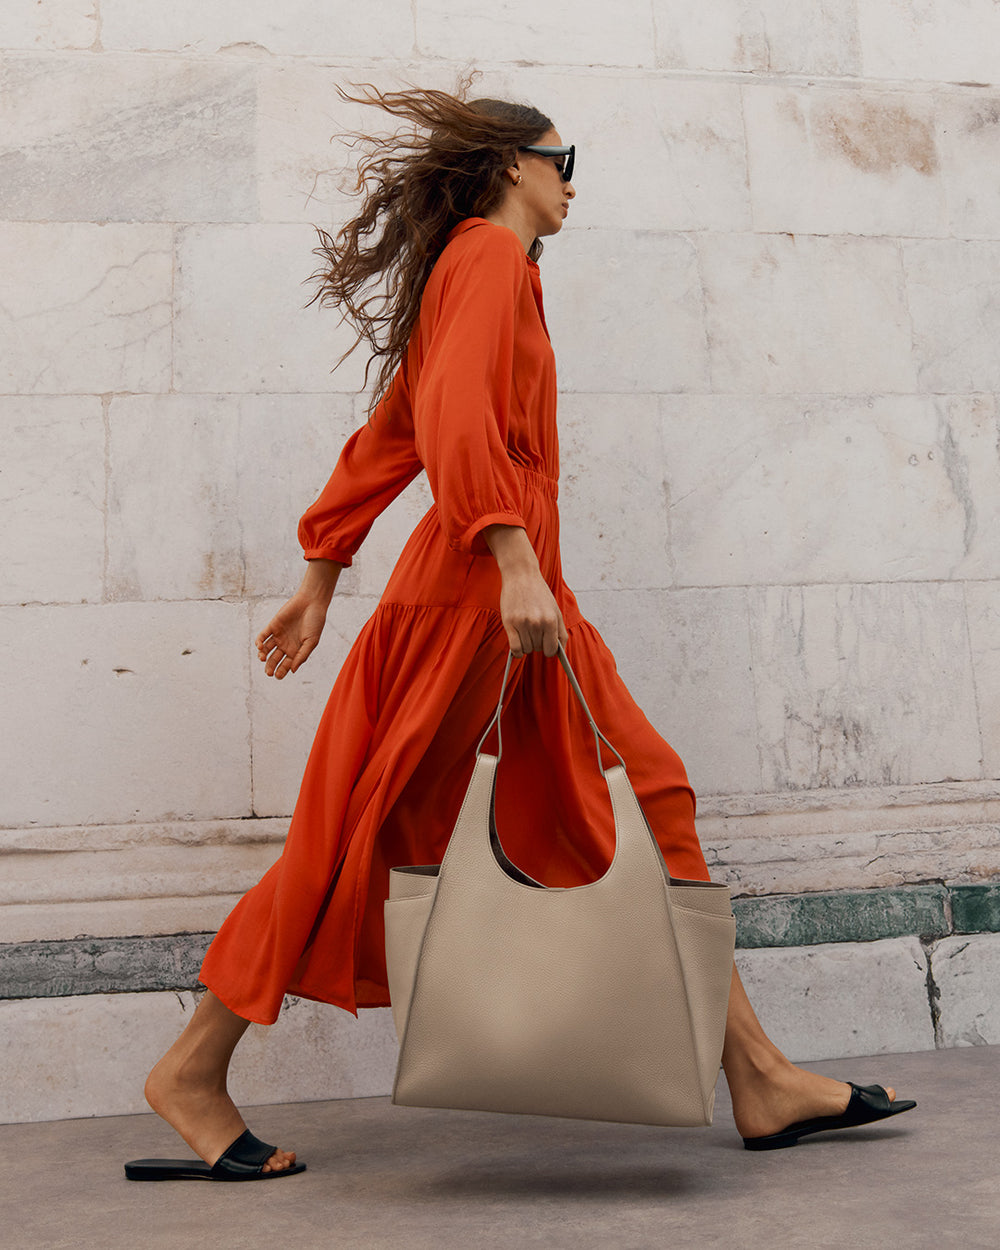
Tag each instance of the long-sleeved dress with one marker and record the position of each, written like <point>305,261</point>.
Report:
<point>473,404</point>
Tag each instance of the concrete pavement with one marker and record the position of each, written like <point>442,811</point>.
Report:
<point>387,1177</point>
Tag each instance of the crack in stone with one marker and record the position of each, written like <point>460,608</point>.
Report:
<point>933,995</point>
<point>957,468</point>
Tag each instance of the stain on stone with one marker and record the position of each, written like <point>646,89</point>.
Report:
<point>227,582</point>
<point>987,114</point>
<point>187,651</point>
<point>120,671</point>
<point>790,107</point>
<point>876,137</point>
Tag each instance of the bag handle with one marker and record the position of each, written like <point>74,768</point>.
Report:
<point>568,669</point>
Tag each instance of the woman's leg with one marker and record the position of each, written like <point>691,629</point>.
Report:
<point>770,1093</point>
<point>188,1086</point>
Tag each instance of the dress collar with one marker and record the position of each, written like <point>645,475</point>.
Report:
<point>471,223</point>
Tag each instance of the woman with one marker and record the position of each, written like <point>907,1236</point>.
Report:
<point>451,226</point>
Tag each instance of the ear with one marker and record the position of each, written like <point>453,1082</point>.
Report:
<point>513,173</point>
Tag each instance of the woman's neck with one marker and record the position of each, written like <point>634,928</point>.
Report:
<point>508,215</point>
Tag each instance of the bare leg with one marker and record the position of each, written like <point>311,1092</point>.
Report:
<point>188,1086</point>
<point>769,1092</point>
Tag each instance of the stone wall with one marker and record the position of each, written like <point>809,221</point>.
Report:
<point>775,310</point>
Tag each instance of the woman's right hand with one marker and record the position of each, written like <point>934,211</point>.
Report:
<point>290,637</point>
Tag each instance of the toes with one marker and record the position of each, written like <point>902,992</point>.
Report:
<point>891,1092</point>
<point>279,1161</point>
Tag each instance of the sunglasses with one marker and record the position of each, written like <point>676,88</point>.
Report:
<point>568,155</point>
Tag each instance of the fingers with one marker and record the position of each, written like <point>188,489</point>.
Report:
<point>544,636</point>
<point>514,642</point>
<point>277,662</point>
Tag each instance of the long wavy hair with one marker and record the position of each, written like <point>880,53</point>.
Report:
<point>417,185</point>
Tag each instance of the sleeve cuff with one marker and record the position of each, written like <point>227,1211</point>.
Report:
<point>472,541</point>
<point>345,558</point>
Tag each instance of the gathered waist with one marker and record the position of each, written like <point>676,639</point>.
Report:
<point>538,481</point>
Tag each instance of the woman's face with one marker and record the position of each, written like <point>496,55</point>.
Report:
<point>542,193</point>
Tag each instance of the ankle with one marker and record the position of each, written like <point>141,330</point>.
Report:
<point>754,1063</point>
<point>190,1068</point>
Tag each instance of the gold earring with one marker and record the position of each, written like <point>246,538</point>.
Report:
<point>518,183</point>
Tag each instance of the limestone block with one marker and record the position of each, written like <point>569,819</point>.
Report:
<point>642,328</point>
<point>100,294</point>
<point>966,972</point>
<point>54,24</point>
<point>842,999</point>
<point>782,862</point>
<point>936,40</point>
<point>36,922</point>
<point>685,658</point>
<point>953,291</point>
<point>853,838</point>
<point>51,499</point>
<point>126,712</point>
<point>379,28</point>
<point>123,880</point>
<point>818,36</point>
<point>305,162</point>
<point>863,685</point>
<point>285,713</point>
<point>127,139</point>
<point>207,490</point>
<point>144,869</point>
<point>824,489</point>
<point>969,126</point>
<point>556,33</point>
<point>241,323</point>
<point>983,600</point>
<point>793,313</point>
<point>614,529</point>
<point>65,1058</point>
<point>828,161</point>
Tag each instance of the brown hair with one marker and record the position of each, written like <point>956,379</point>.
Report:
<point>417,186</point>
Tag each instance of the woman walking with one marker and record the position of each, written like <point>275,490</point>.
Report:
<point>450,229</point>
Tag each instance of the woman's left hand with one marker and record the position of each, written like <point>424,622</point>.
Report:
<point>528,608</point>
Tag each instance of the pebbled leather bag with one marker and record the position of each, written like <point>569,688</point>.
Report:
<point>605,1001</point>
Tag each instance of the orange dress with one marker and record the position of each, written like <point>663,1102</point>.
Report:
<point>473,404</point>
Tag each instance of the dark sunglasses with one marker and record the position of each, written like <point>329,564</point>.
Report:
<point>565,166</point>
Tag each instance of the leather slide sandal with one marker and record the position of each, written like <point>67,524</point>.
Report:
<point>868,1103</point>
<point>243,1161</point>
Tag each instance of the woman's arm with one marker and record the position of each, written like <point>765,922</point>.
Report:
<point>291,635</point>
<point>528,607</point>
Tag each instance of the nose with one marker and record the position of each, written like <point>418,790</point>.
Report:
<point>569,191</point>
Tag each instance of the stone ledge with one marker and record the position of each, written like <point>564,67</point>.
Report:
<point>140,964</point>
<point>976,908</point>
<point>122,965</point>
<point>845,916</point>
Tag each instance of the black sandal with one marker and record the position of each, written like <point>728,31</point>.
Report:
<point>243,1161</point>
<point>868,1103</point>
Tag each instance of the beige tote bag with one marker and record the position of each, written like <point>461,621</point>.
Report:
<point>605,1001</point>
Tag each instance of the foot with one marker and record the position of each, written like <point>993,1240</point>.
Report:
<point>200,1110</point>
<point>768,1101</point>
